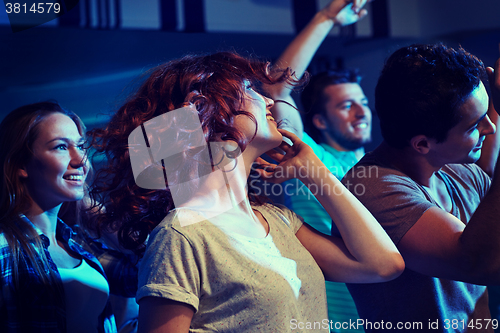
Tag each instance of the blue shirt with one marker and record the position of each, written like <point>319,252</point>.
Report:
<point>302,201</point>
<point>34,307</point>
<point>341,307</point>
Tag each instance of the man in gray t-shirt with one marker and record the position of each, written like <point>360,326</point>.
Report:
<point>438,208</point>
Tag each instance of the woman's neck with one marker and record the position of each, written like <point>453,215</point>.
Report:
<point>220,192</point>
<point>223,193</point>
<point>45,220</point>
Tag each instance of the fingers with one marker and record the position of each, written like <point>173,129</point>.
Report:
<point>491,74</point>
<point>263,164</point>
<point>494,80</point>
<point>265,170</point>
<point>260,161</point>
<point>357,5</point>
<point>278,157</point>
<point>289,135</point>
<point>345,12</point>
<point>496,73</point>
<point>362,13</point>
<point>284,146</point>
<point>267,175</point>
<point>334,7</point>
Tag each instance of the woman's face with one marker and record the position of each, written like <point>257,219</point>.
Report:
<point>267,135</point>
<point>58,168</point>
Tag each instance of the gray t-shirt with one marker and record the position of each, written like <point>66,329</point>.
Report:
<point>423,302</point>
<point>234,282</point>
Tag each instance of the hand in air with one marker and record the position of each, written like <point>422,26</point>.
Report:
<point>494,80</point>
<point>345,12</point>
<point>296,157</point>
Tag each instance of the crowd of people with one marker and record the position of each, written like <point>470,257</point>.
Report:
<point>169,216</point>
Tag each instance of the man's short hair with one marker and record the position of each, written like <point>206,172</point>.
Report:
<point>314,100</point>
<point>421,89</point>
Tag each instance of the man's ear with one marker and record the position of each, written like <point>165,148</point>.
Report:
<point>22,172</point>
<point>421,144</point>
<point>319,122</point>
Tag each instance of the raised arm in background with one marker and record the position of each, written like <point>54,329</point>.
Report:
<point>491,144</point>
<point>301,50</point>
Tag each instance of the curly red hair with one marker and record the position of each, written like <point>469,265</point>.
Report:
<point>215,85</point>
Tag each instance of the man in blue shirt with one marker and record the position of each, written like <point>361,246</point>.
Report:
<point>338,116</point>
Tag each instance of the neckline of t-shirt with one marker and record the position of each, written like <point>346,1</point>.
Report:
<point>451,192</point>
<point>240,236</point>
<point>77,267</point>
<point>260,208</point>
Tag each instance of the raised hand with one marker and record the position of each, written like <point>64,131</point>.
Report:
<point>345,12</point>
<point>297,161</point>
<point>494,79</point>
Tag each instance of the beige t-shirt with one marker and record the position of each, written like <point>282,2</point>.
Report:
<point>237,283</point>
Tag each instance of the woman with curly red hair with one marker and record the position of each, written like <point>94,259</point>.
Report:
<point>180,153</point>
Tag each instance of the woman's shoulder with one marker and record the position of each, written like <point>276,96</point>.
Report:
<point>184,229</point>
<point>183,221</point>
<point>274,208</point>
<point>182,217</point>
<point>6,255</point>
<point>19,223</point>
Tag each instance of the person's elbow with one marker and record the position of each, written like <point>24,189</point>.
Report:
<point>391,268</point>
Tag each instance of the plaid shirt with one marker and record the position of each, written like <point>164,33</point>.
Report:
<point>33,307</point>
<point>121,269</point>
